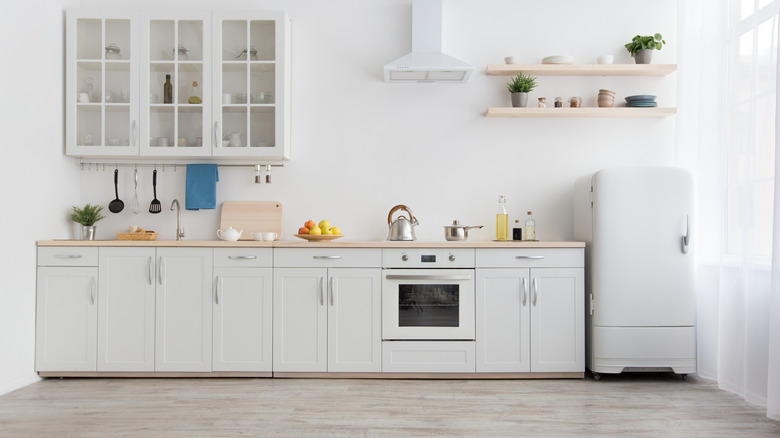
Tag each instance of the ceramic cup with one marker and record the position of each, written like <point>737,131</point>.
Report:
<point>83,98</point>
<point>606,59</point>
<point>509,59</point>
<point>269,236</point>
<point>182,141</point>
<point>227,99</point>
<point>257,236</point>
<point>162,141</point>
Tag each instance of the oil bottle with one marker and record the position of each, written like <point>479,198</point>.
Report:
<point>502,220</point>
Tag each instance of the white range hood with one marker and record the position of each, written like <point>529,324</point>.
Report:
<point>426,62</point>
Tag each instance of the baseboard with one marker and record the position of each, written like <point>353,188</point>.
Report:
<point>19,382</point>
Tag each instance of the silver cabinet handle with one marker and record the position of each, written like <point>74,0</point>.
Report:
<point>149,267</point>
<point>426,277</point>
<point>322,291</point>
<point>243,257</point>
<point>217,289</point>
<point>216,134</point>
<point>532,257</point>
<point>132,133</point>
<point>332,292</point>
<point>327,257</point>
<point>160,270</point>
<point>68,256</point>
<point>536,290</point>
<point>92,290</point>
<point>524,288</point>
<point>686,239</point>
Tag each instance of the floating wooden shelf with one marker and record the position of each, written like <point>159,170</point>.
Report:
<point>581,69</point>
<point>620,112</point>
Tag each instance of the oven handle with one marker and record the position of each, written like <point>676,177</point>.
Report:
<point>427,277</point>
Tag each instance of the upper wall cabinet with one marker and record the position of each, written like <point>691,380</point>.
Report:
<point>171,84</point>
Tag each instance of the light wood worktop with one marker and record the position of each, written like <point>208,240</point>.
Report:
<point>305,244</point>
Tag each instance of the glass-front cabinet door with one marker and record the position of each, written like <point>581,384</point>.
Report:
<point>176,84</point>
<point>251,85</point>
<point>102,83</point>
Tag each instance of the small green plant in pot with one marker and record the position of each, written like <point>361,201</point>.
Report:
<point>520,86</point>
<point>87,216</point>
<point>641,47</point>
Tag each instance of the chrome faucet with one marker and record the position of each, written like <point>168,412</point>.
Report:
<point>179,228</point>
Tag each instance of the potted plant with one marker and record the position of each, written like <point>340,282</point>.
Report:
<point>641,47</point>
<point>87,216</point>
<point>520,86</point>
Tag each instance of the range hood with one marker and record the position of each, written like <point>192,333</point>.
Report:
<point>427,63</point>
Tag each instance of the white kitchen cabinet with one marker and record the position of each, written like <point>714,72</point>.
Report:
<point>126,113</point>
<point>242,310</point>
<point>183,309</point>
<point>126,309</point>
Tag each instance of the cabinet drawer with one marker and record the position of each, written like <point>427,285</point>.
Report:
<point>327,257</point>
<point>68,256</point>
<point>428,357</point>
<point>531,258</point>
<point>244,257</point>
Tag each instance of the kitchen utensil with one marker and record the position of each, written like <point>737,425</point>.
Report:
<point>605,59</point>
<point>647,97</point>
<point>155,206</point>
<point>230,234</point>
<point>135,206</point>
<point>401,228</point>
<point>116,205</point>
<point>252,216</point>
<point>269,236</point>
<point>457,232</point>
<point>319,237</point>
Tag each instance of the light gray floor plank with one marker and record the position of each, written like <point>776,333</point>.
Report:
<point>636,405</point>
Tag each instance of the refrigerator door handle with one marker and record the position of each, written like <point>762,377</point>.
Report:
<point>686,239</point>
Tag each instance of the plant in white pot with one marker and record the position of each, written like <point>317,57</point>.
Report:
<point>520,86</point>
<point>87,216</point>
<point>641,47</point>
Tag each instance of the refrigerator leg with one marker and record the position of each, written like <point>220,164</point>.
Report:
<point>596,376</point>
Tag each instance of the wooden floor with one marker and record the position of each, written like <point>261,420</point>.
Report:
<point>635,405</point>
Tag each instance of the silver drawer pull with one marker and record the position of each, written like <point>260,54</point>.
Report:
<point>328,257</point>
<point>68,256</point>
<point>427,277</point>
<point>243,257</point>
<point>536,257</point>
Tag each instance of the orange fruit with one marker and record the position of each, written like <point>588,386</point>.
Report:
<point>310,224</point>
<point>303,230</point>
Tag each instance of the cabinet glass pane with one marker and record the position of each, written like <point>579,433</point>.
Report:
<point>117,83</point>
<point>262,81</point>
<point>157,72</point>
<point>89,82</point>
<point>162,43</point>
<point>190,40</point>
<point>161,126</point>
<point>118,33</point>
<point>262,36</point>
<point>117,125</point>
<point>234,82</point>
<point>190,126</point>
<point>189,73</point>
<point>89,125</point>
<point>235,125</point>
<point>262,121</point>
<point>90,39</point>
<point>234,40</point>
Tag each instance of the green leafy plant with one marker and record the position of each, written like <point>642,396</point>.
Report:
<point>639,42</point>
<point>521,84</point>
<point>87,215</point>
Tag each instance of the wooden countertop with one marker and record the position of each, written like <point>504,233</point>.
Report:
<point>305,244</point>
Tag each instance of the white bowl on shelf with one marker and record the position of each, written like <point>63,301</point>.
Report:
<point>558,59</point>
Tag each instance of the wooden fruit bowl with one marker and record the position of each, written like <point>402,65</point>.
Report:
<point>318,237</point>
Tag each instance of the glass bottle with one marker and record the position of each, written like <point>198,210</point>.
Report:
<point>517,231</point>
<point>530,227</point>
<point>167,90</point>
<point>502,220</point>
<point>194,99</point>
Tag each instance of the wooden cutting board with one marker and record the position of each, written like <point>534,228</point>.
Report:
<point>252,217</point>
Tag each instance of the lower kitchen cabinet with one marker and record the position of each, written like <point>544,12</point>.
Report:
<point>183,309</point>
<point>530,320</point>
<point>327,319</point>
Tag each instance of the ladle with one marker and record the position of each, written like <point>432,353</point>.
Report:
<point>116,205</point>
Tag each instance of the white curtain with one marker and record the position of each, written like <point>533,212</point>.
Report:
<point>727,113</point>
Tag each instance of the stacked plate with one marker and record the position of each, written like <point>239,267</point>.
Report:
<point>641,101</point>
<point>558,59</point>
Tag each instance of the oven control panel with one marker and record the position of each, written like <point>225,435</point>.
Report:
<point>428,258</point>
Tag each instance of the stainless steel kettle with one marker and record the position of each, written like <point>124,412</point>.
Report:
<point>401,228</point>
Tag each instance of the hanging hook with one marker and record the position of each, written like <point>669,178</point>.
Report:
<point>81,162</point>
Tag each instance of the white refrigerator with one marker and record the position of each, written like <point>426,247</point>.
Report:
<point>640,302</point>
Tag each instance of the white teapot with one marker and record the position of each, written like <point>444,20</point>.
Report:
<point>231,235</point>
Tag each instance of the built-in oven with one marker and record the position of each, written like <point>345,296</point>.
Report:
<point>430,298</point>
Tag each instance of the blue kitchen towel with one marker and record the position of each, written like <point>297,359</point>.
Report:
<point>201,186</point>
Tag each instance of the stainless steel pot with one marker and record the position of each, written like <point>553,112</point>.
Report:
<point>456,231</point>
<point>401,228</point>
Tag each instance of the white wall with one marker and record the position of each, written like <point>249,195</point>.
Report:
<point>39,183</point>
<point>361,146</point>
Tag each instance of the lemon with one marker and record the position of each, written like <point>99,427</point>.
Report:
<point>335,230</point>
<point>325,225</point>
<point>315,230</point>
<point>327,231</point>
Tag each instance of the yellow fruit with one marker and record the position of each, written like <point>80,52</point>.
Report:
<point>315,230</point>
<point>325,224</point>
<point>336,230</point>
<point>327,231</point>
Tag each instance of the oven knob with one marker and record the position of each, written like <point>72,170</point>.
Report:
<point>404,257</point>
<point>452,257</point>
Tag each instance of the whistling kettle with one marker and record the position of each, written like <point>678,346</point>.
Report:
<point>401,228</point>
<point>231,234</point>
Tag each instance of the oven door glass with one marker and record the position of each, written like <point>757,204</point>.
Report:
<point>428,305</point>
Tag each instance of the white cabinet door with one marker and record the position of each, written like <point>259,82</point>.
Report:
<point>183,335</point>
<point>557,320</point>
<point>102,96</point>
<point>354,320</point>
<point>66,324</point>
<point>242,307</point>
<point>300,319</point>
<point>126,309</point>
<point>503,312</point>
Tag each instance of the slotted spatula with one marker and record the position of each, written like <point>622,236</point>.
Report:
<point>155,206</point>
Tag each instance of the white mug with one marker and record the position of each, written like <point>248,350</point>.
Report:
<point>269,236</point>
<point>162,141</point>
<point>605,59</point>
<point>227,99</point>
<point>83,97</point>
<point>256,236</point>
